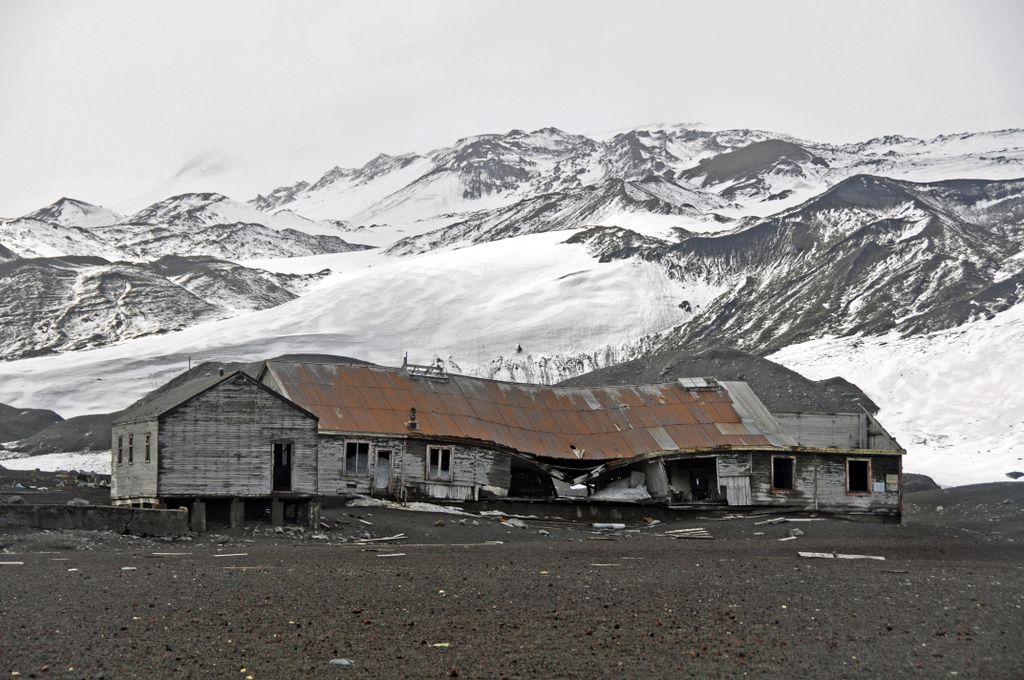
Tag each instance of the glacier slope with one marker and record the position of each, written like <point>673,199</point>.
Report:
<point>468,306</point>
<point>951,398</point>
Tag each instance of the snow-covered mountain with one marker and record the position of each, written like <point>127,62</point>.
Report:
<point>615,201</point>
<point>538,256</point>
<point>70,303</point>
<point>764,171</point>
<point>29,237</point>
<point>868,256</point>
<point>71,212</point>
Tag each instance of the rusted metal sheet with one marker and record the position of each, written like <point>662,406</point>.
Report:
<point>604,423</point>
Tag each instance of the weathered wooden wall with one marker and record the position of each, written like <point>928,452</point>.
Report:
<point>837,430</point>
<point>825,430</point>
<point>819,482</point>
<point>138,479</point>
<point>335,480</point>
<point>474,469</point>
<point>221,443</point>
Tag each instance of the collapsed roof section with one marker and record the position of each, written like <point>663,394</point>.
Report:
<point>584,424</point>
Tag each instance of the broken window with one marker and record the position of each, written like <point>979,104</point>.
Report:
<point>148,436</point>
<point>858,476</point>
<point>782,473</point>
<point>439,463</point>
<point>357,458</point>
<point>120,448</point>
<point>131,448</point>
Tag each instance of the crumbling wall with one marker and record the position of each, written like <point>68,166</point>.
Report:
<point>137,521</point>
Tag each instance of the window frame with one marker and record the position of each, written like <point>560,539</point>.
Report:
<point>450,450</point>
<point>131,448</point>
<point>120,449</point>
<point>792,475</point>
<point>867,491</point>
<point>148,440</point>
<point>345,472</point>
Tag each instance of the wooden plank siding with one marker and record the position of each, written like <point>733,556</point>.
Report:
<point>135,480</point>
<point>820,483</point>
<point>221,443</point>
<point>474,469</point>
<point>335,480</point>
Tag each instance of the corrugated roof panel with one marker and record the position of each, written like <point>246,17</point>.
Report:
<point>699,414</point>
<point>620,421</point>
<point>663,438</point>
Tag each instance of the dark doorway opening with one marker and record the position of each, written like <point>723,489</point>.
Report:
<point>858,476</point>
<point>282,466</point>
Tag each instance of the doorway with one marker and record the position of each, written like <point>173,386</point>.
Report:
<point>382,472</point>
<point>282,466</point>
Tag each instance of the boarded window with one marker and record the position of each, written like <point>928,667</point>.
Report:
<point>782,473</point>
<point>120,448</point>
<point>148,437</point>
<point>439,463</point>
<point>858,476</point>
<point>131,449</point>
<point>357,458</point>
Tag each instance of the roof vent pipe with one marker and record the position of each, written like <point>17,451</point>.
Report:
<point>411,423</point>
<point>220,371</point>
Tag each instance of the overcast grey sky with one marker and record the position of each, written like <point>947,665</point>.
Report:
<point>104,99</point>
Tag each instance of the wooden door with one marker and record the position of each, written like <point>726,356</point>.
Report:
<point>382,472</point>
<point>737,490</point>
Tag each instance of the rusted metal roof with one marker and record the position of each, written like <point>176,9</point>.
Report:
<point>599,423</point>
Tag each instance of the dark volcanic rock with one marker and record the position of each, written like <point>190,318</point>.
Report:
<point>914,482</point>
<point>778,387</point>
<point>18,423</point>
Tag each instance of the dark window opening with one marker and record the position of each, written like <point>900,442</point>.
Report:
<point>282,466</point>
<point>131,449</point>
<point>439,463</point>
<point>148,436</point>
<point>782,473</point>
<point>120,449</point>
<point>858,476</point>
<point>357,459</point>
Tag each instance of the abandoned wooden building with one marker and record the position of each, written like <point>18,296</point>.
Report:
<point>419,431</point>
<point>221,446</point>
<point>299,432</point>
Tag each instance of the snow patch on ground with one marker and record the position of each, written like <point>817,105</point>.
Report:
<point>415,506</point>
<point>97,462</point>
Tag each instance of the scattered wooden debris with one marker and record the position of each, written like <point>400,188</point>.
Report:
<point>788,538</point>
<point>695,532</point>
<point>839,556</point>
<point>231,555</point>
<point>391,555</point>
<point>396,537</point>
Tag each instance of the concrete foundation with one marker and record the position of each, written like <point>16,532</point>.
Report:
<point>136,521</point>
